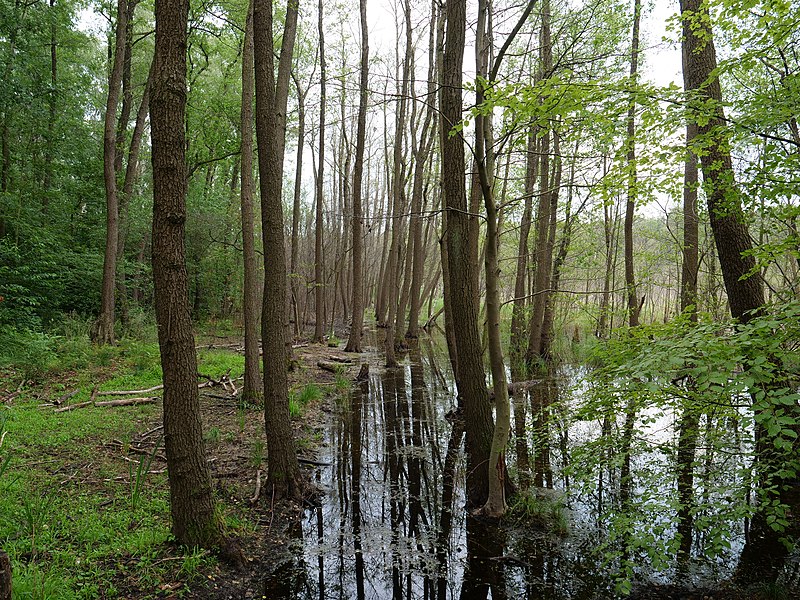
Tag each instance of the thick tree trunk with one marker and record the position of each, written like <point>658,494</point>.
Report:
<point>253,383</point>
<point>103,328</point>
<point>470,377</point>
<point>357,323</point>
<point>195,522</point>
<point>271,92</point>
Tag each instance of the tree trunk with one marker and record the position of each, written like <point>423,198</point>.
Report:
<point>294,276</point>
<point>357,323</point>
<point>271,93</point>
<point>319,290</point>
<point>518,312</point>
<point>420,161</point>
<point>103,328</point>
<point>53,105</point>
<point>630,205</point>
<point>394,265</point>
<point>195,522</point>
<point>763,554</point>
<point>470,378</point>
<point>496,501</point>
<point>252,392</point>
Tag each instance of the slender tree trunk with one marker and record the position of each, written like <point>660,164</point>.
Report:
<point>253,384</point>
<point>544,258</point>
<point>357,323</point>
<point>496,501</point>
<point>271,93</point>
<point>195,522</point>
<point>103,328</point>
<point>470,377</point>
<point>630,205</point>
<point>294,276</point>
<point>421,159</point>
<point>548,332</point>
<point>53,105</point>
<point>319,290</point>
<point>394,265</point>
<point>518,312</point>
<point>546,336</point>
<point>131,174</point>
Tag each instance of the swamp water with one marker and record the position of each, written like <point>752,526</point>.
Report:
<point>391,521</point>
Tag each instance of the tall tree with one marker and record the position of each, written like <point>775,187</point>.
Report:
<point>252,375</point>
<point>470,378</point>
<point>357,323</point>
<point>764,553</point>
<point>298,184</point>
<point>421,155</point>
<point>543,245</point>
<point>195,522</point>
<point>319,290</point>
<point>103,328</point>
<point>630,143</point>
<point>271,97</point>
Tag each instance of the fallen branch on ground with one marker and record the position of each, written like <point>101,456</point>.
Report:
<point>132,392</point>
<point>257,492</point>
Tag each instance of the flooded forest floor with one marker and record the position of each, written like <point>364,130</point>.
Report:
<point>87,514</point>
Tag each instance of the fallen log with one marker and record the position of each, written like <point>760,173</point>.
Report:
<point>127,401</point>
<point>73,406</point>
<point>331,367</point>
<point>120,402</point>
<point>342,359</point>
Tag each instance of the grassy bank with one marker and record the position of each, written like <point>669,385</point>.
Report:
<point>84,504</point>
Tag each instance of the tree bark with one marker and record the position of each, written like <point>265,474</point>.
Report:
<point>319,291</point>
<point>271,97</point>
<point>763,554</point>
<point>357,323</point>
<point>543,252</point>
<point>630,204</point>
<point>518,310</point>
<point>253,384</point>
<point>394,265</point>
<point>103,328</point>
<point>298,184</point>
<point>195,521</point>
<point>420,162</point>
<point>495,505</point>
<point>470,378</point>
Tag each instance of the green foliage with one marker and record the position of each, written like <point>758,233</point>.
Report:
<point>740,376</point>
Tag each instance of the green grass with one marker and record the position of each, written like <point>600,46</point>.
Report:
<point>77,519</point>
<point>298,400</point>
<point>533,509</point>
